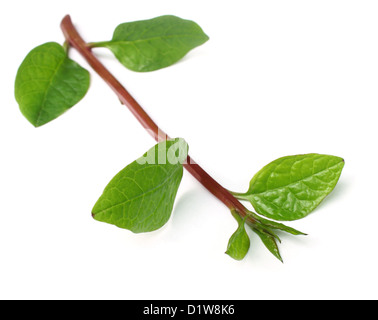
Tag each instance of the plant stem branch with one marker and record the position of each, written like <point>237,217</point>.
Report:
<point>75,40</point>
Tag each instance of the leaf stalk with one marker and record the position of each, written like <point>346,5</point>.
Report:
<point>76,41</point>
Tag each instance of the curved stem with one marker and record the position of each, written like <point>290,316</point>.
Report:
<point>76,41</point>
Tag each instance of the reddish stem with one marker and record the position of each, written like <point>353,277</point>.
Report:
<point>76,41</point>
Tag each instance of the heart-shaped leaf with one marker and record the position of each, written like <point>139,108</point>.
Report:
<point>48,83</point>
<point>291,187</point>
<point>153,44</point>
<point>140,198</point>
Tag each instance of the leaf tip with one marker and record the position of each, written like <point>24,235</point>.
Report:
<point>278,256</point>
<point>235,257</point>
<point>37,124</point>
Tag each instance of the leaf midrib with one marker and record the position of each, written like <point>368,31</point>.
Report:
<point>141,195</point>
<point>291,183</point>
<point>48,87</point>
<point>105,43</point>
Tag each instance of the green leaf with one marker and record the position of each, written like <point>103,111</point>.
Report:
<point>239,243</point>
<point>291,187</point>
<point>269,241</point>
<point>48,83</point>
<point>140,198</point>
<point>153,44</point>
<point>275,225</point>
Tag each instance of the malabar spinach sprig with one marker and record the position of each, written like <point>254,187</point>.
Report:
<point>141,197</point>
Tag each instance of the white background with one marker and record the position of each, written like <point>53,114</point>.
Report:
<point>276,78</point>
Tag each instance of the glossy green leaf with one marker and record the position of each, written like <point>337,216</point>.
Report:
<point>291,187</point>
<point>239,243</point>
<point>153,44</point>
<point>140,198</point>
<point>48,83</point>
